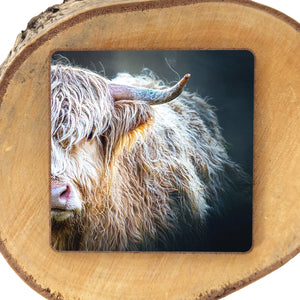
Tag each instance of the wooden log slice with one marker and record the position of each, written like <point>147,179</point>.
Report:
<point>274,40</point>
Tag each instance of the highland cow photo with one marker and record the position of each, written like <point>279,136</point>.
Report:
<point>151,150</point>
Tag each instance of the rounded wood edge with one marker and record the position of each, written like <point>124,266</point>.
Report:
<point>28,279</point>
<point>15,60</point>
<point>26,43</point>
<point>217,294</point>
<point>213,294</point>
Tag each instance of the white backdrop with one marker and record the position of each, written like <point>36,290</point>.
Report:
<point>281,284</point>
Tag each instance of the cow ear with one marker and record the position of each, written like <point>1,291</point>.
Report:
<point>129,115</point>
<point>129,120</point>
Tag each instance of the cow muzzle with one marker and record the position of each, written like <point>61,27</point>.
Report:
<point>63,201</point>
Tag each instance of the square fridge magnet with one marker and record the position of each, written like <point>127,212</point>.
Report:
<point>139,161</point>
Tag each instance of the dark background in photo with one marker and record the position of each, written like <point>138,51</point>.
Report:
<point>225,78</point>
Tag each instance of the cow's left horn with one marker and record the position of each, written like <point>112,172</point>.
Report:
<point>150,96</point>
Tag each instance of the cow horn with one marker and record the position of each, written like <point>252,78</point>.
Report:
<point>150,96</point>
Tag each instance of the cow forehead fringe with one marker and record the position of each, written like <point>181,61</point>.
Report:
<point>79,103</point>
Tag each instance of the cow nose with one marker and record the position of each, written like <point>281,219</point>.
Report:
<point>60,195</point>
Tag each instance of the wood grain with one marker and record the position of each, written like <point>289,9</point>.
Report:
<point>273,38</point>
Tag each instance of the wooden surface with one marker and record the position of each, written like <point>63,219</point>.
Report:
<point>25,157</point>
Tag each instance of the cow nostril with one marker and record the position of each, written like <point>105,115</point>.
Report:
<point>66,192</point>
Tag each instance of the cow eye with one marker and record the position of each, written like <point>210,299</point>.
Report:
<point>90,136</point>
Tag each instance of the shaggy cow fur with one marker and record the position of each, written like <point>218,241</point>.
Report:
<point>147,177</point>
